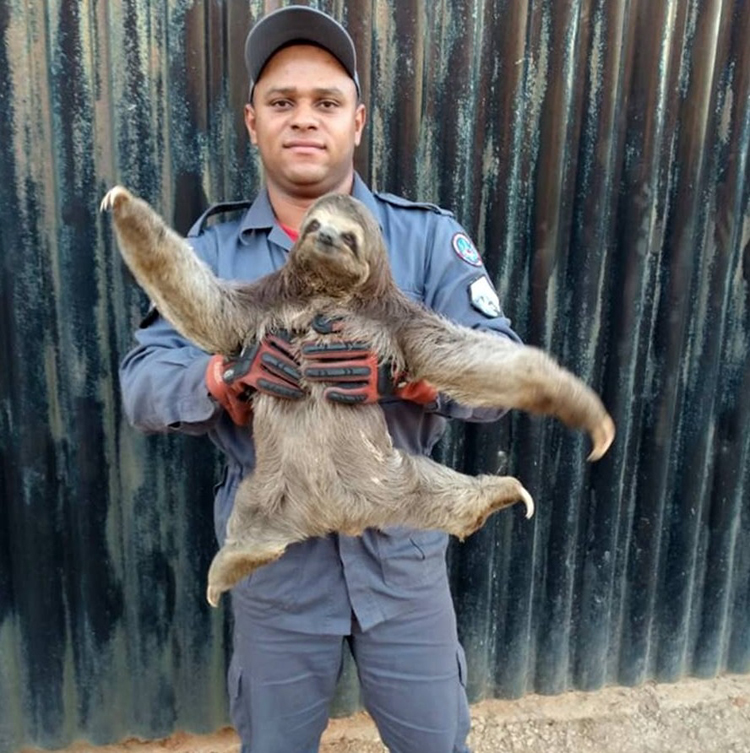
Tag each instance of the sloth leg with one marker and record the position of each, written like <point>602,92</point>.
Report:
<point>437,497</point>
<point>256,536</point>
<point>238,559</point>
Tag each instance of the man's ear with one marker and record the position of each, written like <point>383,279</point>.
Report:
<point>250,123</point>
<point>360,118</point>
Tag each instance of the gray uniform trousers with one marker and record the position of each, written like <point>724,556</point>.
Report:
<point>411,671</point>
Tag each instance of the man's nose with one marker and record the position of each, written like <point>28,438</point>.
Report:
<point>304,117</point>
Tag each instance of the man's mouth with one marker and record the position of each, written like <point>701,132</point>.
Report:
<point>302,145</point>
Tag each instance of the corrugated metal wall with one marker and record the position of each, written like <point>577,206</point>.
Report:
<point>597,150</point>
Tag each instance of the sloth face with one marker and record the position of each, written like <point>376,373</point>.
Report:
<point>333,246</point>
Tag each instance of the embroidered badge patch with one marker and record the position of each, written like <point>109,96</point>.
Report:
<point>463,246</point>
<point>484,298</point>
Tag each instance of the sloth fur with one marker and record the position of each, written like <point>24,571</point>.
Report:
<point>321,466</point>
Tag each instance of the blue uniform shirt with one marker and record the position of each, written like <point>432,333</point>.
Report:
<point>317,583</point>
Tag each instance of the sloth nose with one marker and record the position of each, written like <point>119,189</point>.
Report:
<point>326,236</point>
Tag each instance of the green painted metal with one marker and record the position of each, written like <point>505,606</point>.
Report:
<point>596,150</point>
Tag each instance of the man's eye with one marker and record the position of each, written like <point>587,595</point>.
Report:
<point>329,104</point>
<point>280,104</point>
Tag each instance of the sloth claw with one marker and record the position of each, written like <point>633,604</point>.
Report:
<point>602,437</point>
<point>112,196</point>
<point>213,595</point>
<point>528,501</point>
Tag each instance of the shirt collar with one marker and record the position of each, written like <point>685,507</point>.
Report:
<point>260,216</point>
<point>364,194</point>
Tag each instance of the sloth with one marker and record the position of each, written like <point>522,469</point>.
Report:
<point>321,466</point>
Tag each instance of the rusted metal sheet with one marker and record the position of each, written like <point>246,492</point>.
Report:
<point>598,153</point>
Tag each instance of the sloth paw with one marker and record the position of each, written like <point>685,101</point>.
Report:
<point>602,436</point>
<point>498,492</point>
<point>236,561</point>
<point>114,196</point>
<point>513,493</point>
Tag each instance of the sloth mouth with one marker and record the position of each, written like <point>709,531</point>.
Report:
<point>333,253</point>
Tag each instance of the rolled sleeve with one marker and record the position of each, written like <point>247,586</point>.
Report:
<point>163,383</point>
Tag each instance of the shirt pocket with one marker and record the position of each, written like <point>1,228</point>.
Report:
<point>277,584</point>
<point>411,557</point>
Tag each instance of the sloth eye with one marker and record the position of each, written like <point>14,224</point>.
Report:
<point>349,239</point>
<point>313,226</point>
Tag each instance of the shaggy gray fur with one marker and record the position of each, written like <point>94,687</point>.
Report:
<point>322,466</point>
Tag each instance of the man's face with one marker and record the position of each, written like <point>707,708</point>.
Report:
<point>305,121</point>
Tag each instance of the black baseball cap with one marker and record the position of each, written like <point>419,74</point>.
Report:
<point>298,23</point>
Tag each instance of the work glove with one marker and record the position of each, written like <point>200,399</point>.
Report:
<point>353,372</point>
<point>267,366</point>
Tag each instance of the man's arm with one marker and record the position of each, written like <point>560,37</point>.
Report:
<point>163,383</point>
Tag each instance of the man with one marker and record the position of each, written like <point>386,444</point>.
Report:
<point>385,593</point>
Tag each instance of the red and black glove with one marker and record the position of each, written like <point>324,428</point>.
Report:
<point>353,371</point>
<point>267,366</point>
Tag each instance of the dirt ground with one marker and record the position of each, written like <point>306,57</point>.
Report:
<point>693,716</point>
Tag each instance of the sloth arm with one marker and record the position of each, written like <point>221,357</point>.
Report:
<point>443,353</point>
<point>474,367</point>
<point>163,377</point>
<point>445,289</point>
<point>215,314</point>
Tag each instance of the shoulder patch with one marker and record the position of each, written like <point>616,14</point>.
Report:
<point>399,201</point>
<point>223,206</point>
<point>484,298</point>
<point>466,250</point>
